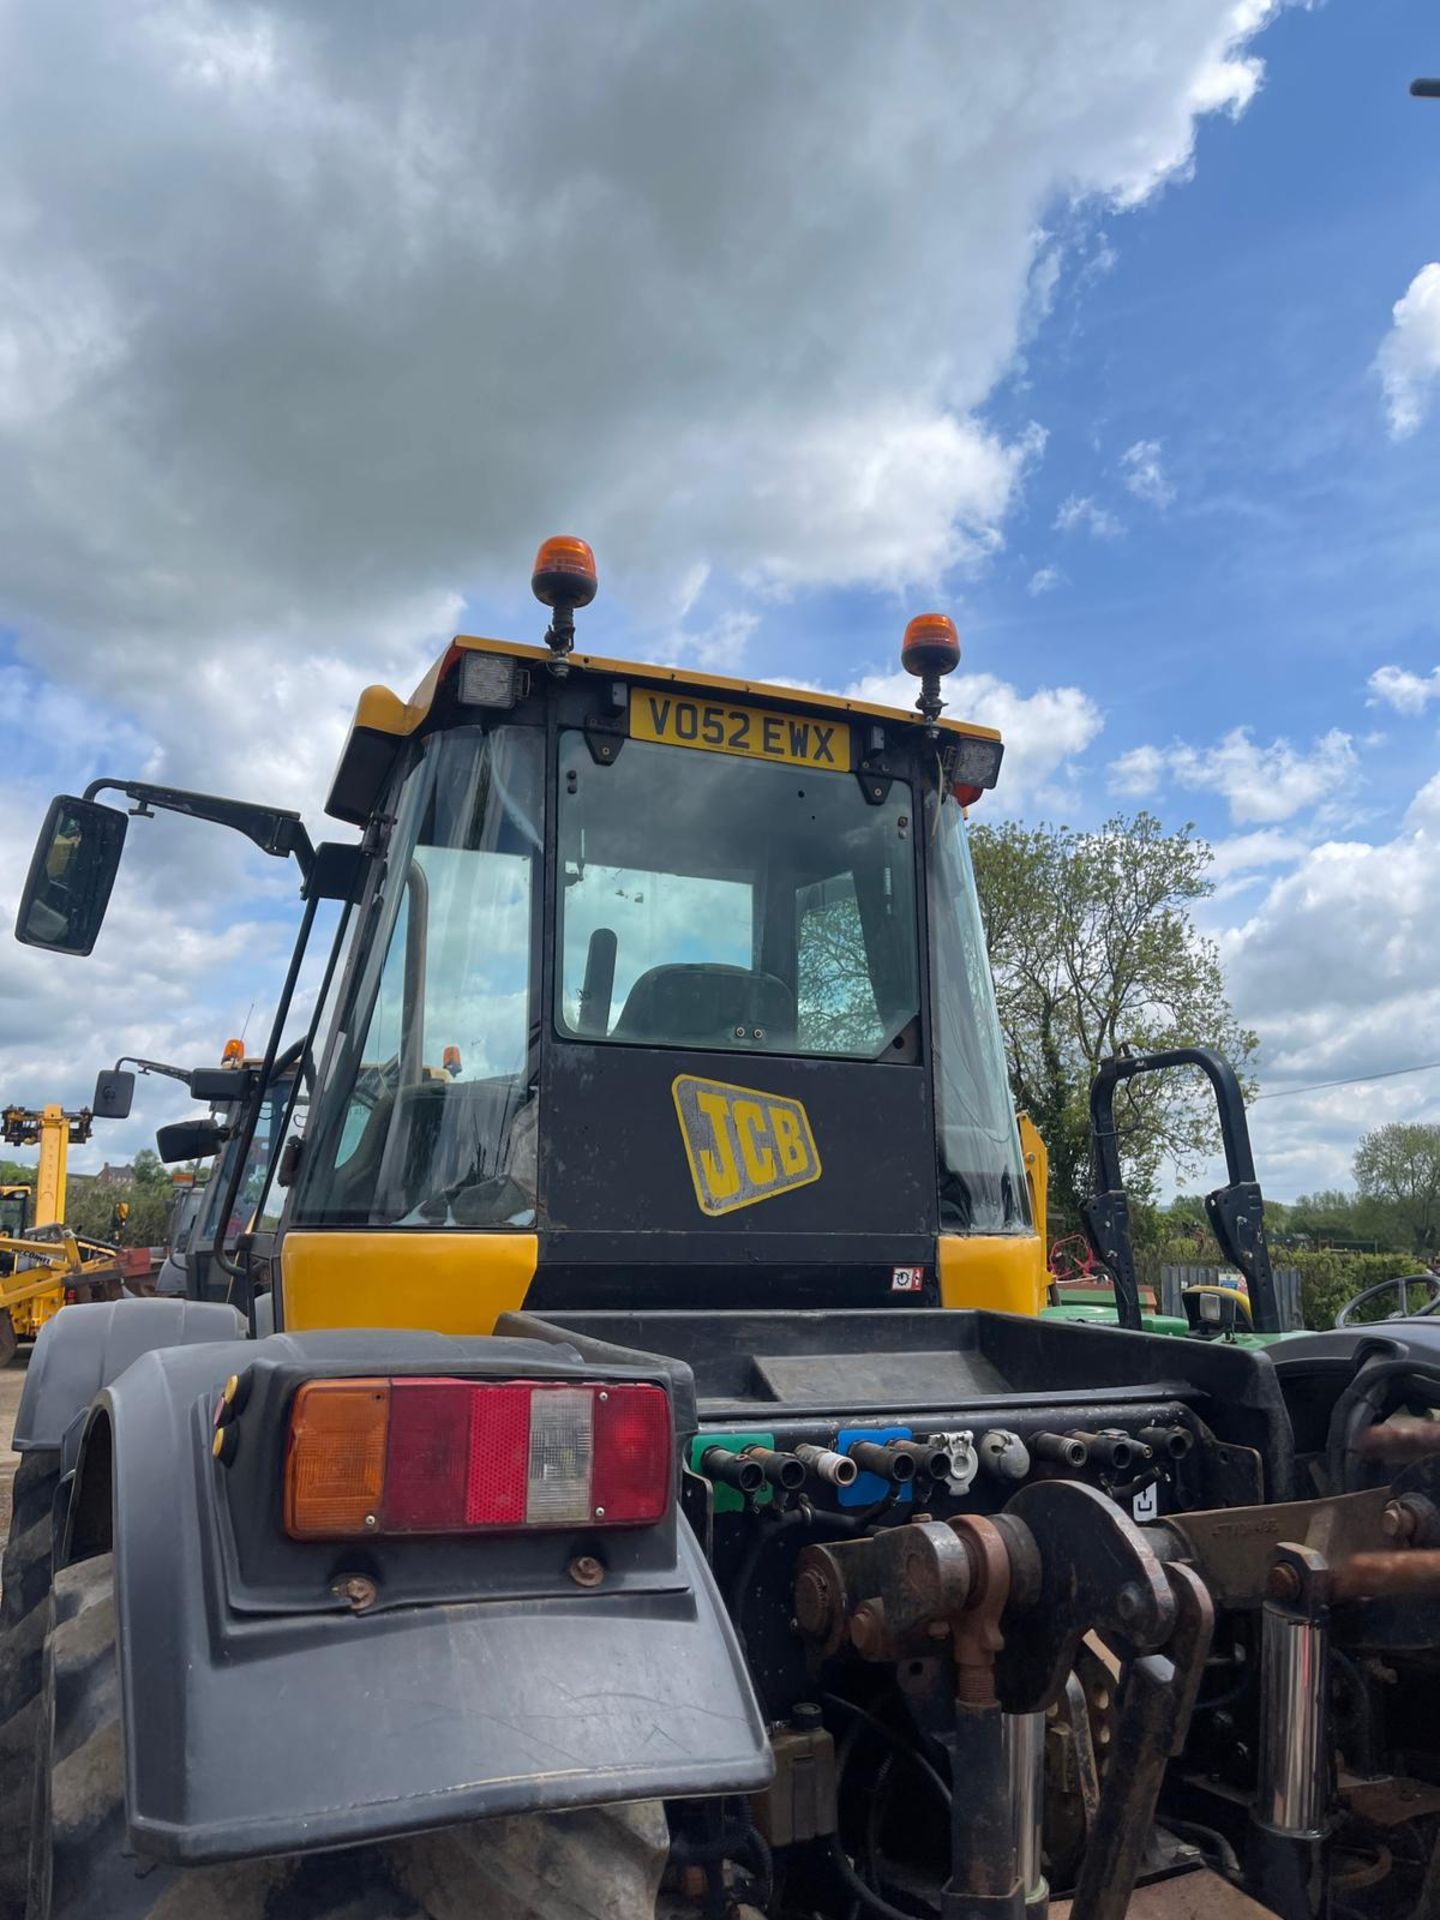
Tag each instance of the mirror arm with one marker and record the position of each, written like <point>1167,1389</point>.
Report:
<point>275,830</point>
<point>152,1066</point>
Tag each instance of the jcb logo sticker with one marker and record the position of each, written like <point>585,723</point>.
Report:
<point>742,1145</point>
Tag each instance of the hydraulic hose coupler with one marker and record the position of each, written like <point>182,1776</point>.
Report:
<point>1171,1443</point>
<point>883,1458</point>
<point>780,1469</point>
<point>1115,1451</point>
<point>930,1456</point>
<point>836,1469</point>
<point>1065,1449</point>
<point>732,1469</point>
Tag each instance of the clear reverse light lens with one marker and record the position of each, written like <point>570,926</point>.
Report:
<point>977,762</point>
<point>487,680</point>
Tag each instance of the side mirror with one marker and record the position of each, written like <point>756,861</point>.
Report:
<point>113,1095</point>
<point>222,1085</point>
<point>73,869</point>
<point>189,1140</point>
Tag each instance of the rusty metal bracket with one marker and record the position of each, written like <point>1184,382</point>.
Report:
<point>1096,1572</point>
<point>1157,1697</point>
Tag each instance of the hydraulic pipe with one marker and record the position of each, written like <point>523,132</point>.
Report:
<point>929,1456</point>
<point>884,1460</point>
<point>1287,1854</point>
<point>984,1881</point>
<point>1173,1442</point>
<point>733,1469</point>
<point>1066,1449</point>
<point>1294,1748</point>
<point>836,1469</point>
<point>1025,1753</point>
<point>1117,1451</point>
<point>780,1469</point>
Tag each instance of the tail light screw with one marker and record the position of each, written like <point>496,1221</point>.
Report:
<point>602,1396</point>
<point>358,1590</point>
<point>599,1513</point>
<point>586,1571</point>
<point>371,1523</point>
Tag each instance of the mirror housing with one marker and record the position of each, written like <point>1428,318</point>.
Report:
<point>113,1094</point>
<point>189,1140</point>
<point>71,873</point>
<point>222,1085</point>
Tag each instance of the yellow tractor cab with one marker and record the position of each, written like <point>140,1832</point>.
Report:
<point>668,989</point>
<point>662,989</point>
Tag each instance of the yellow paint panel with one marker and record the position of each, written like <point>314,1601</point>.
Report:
<point>1004,1273</point>
<point>1037,1175</point>
<point>446,1282</point>
<point>752,733</point>
<point>392,715</point>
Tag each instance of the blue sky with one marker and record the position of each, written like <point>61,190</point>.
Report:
<point>1068,319</point>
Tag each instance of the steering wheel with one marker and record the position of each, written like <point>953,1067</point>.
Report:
<point>1400,1286</point>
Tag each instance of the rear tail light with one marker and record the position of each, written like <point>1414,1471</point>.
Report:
<point>380,1456</point>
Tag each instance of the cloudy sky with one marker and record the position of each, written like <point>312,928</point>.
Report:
<point>1113,327</point>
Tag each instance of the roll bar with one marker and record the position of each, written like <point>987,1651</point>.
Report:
<point>1236,1211</point>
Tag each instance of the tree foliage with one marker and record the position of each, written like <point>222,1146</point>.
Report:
<point>1399,1167</point>
<point>1093,948</point>
<point>90,1210</point>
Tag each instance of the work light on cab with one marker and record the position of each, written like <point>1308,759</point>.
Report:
<point>564,578</point>
<point>372,1457</point>
<point>931,647</point>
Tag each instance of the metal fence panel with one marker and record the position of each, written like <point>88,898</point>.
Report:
<point>1174,1280</point>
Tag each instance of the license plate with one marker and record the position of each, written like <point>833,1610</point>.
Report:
<point>752,731</point>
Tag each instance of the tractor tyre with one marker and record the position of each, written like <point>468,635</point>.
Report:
<point>24,1618</point>
<point>600,1864</point>
<point>9,1340</point>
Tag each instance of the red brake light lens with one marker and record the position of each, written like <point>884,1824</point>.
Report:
<point>374,1457</point>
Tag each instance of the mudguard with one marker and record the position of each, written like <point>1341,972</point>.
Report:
<point>85,1347</point>
<point>260,1729</point>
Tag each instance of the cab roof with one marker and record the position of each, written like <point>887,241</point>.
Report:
<point>383,720</point>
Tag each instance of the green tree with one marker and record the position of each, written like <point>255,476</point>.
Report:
<point>1400,1165</point>
<point>90,1210</point>
<point>150,1170</point>
<point>1093,948</point>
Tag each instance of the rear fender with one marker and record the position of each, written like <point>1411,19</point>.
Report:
<point>85,1347</point>
<point>298,1723</point>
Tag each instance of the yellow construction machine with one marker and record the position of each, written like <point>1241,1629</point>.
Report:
<point>44,1263</point>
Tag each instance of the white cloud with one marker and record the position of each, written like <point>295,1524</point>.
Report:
<point>1044,580</point>
<point>1409,358</point>
<point>1258,783</point>
<point>1043,731</point>
<point>315,345</point>
<point>1083,514</point>
<point>1406,692</point>
<point>1138,772</point>
<point>1333,967</point>
<point>1145,475</point>
<point>1248,853</point>
<point>311,326</point>
<point>718,648</point>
